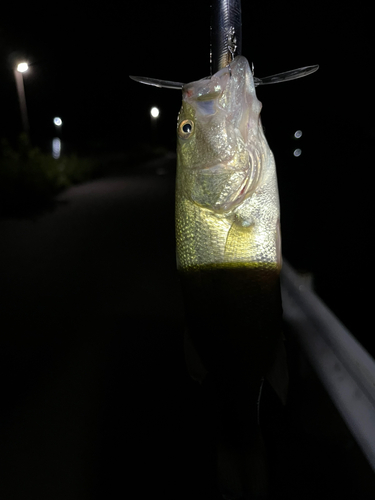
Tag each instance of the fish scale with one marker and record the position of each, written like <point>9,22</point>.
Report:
<point>226,187</point>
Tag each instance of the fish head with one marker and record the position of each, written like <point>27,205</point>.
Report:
<point>220,141</point>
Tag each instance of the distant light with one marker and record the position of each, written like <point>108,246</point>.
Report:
<point>154,112</point>
<point>297,152</point>
<point>56,148</point>
<point>22,67</point>
<point>298,134</point>
<point>57,121</point>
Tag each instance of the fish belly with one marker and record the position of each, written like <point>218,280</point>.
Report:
<point>233,315</point>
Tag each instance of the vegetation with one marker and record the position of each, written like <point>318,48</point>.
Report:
<point>30,178</point>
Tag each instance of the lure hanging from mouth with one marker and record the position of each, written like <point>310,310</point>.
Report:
<point>226,33</point>
<point>267,80</point>
<point>226,44</point>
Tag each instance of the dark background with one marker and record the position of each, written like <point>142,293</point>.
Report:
<point>88,320</point>
<point>80,58</point>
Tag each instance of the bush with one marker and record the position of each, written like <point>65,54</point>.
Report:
<point>29,176</point>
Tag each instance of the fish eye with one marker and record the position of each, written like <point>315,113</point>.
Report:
<point>185,129</point>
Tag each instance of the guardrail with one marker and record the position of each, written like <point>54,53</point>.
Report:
<point>343,366</point>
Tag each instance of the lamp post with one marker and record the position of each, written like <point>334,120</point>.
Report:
<point>57,121</point>
<point>154,116</point>
<point>18,75</point>
<point>56,142</point>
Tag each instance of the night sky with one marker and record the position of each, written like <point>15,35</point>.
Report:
<point>80,57</point>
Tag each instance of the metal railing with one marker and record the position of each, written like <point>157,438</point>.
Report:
<point>344,367</point>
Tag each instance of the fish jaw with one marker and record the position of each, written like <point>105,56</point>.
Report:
<point>226,174</point>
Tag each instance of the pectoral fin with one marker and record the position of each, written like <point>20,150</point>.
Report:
<point>239,241</point>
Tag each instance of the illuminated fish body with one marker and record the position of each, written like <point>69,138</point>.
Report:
<point>229,259</point>
<point>227,205</point>
<point>227,213</point>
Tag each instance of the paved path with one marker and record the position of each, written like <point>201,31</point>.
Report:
<point>91,354</point>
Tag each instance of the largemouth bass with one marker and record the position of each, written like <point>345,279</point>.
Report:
<point>228,249</point>
<point>227,224</point>
<point>229,259</point>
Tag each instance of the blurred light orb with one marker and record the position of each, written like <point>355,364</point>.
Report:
<point>56,148</point>
<point>298,134</point>
<point>22,67</point>
<point>297,152</point>
<point>154,112</point>
<point>57,121</point>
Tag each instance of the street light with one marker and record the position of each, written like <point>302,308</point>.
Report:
<point>22,67</point>
<point>56,148</point>
<point>18,75</point>
<point>154,115</point>
<point>56,143</point>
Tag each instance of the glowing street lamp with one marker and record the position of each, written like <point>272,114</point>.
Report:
<point>56,143</point>
<point>18,75</point>
<point>154,111</point>
<point>22,67</point>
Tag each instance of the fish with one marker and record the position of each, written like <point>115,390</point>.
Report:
<point>227,216</point>
<point>227,210</point>
<point>227,204</point>
<point>228,251</point>
<point>228,247</point>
